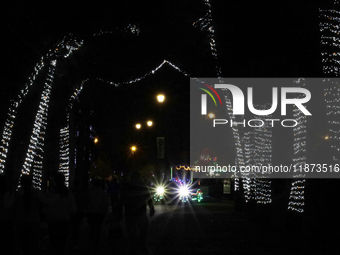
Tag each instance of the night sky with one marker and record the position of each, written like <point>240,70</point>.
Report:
<point>253,39</point>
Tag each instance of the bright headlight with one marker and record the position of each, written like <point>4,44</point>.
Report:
<point>184,191</point>
<point>160,190</point>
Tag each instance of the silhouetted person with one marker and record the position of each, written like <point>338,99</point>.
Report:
<point>59,208</point>
<point>6,217</point>
<point>135,197</point>
<point>97,209</point>
<point>114,190</point>
<point>27,216</point>
<point>81,199</point>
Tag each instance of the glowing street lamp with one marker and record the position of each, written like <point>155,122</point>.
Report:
<point>160,98</point>
<point>138,126</point>
<point>133,149</point>
<point>211,115</point>
<point>96,140</point>
<point>149,123</point>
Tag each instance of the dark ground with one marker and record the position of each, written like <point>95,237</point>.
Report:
<point>214,227</point>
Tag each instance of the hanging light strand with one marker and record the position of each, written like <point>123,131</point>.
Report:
<point>35,152</point>
<point>296,200</point>
<point>153,71</point>
<point>206,24</point>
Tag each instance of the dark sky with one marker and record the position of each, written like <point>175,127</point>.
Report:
<point>262,38</point>
<point>253,39</point>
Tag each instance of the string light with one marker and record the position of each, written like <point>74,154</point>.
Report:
<point>206,25</point>
<point>238,136</point>
<point>64,153</point>
<point>131,28</point>
<point>35,151</point>
<point>153,71</point>
<point>258,152</point>
<point>239,143</point>
<point>263,156</point>
<point>183,167</point>
<point>330,44</point>
<point>11,115</point>
<point>64,144</point>
<point>296,200</point>
<point>249,181</point>
<point>330,40</point>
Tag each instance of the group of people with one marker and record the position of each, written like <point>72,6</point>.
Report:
<point>62,210</point>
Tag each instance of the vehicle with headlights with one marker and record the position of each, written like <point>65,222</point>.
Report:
<point>181,187</point>
<point>187,189</point>
<point>159,194</point>
<point>184,193</point>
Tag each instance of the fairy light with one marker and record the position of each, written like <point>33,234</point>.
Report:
<point>131,28</point>
<point>64,153</point>
<point>296,200</point>
<point>35,152</point>
<point>153,71</point>
<point>183,167</point>
<point>332,95</point>
<point>263,157</point>
<point>330,40</point>
<point>11,115</point>
<point>35,149</point>
<point>330,46</point>
<point>254,149</point>
<point>206,25</point>
<point>239,143</point>
<point>64,145</point>
<point>249,152</point>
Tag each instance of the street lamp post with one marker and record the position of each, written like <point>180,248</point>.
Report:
<point>133,151</point>
<point>211,115</point>
<point>160,145</point>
